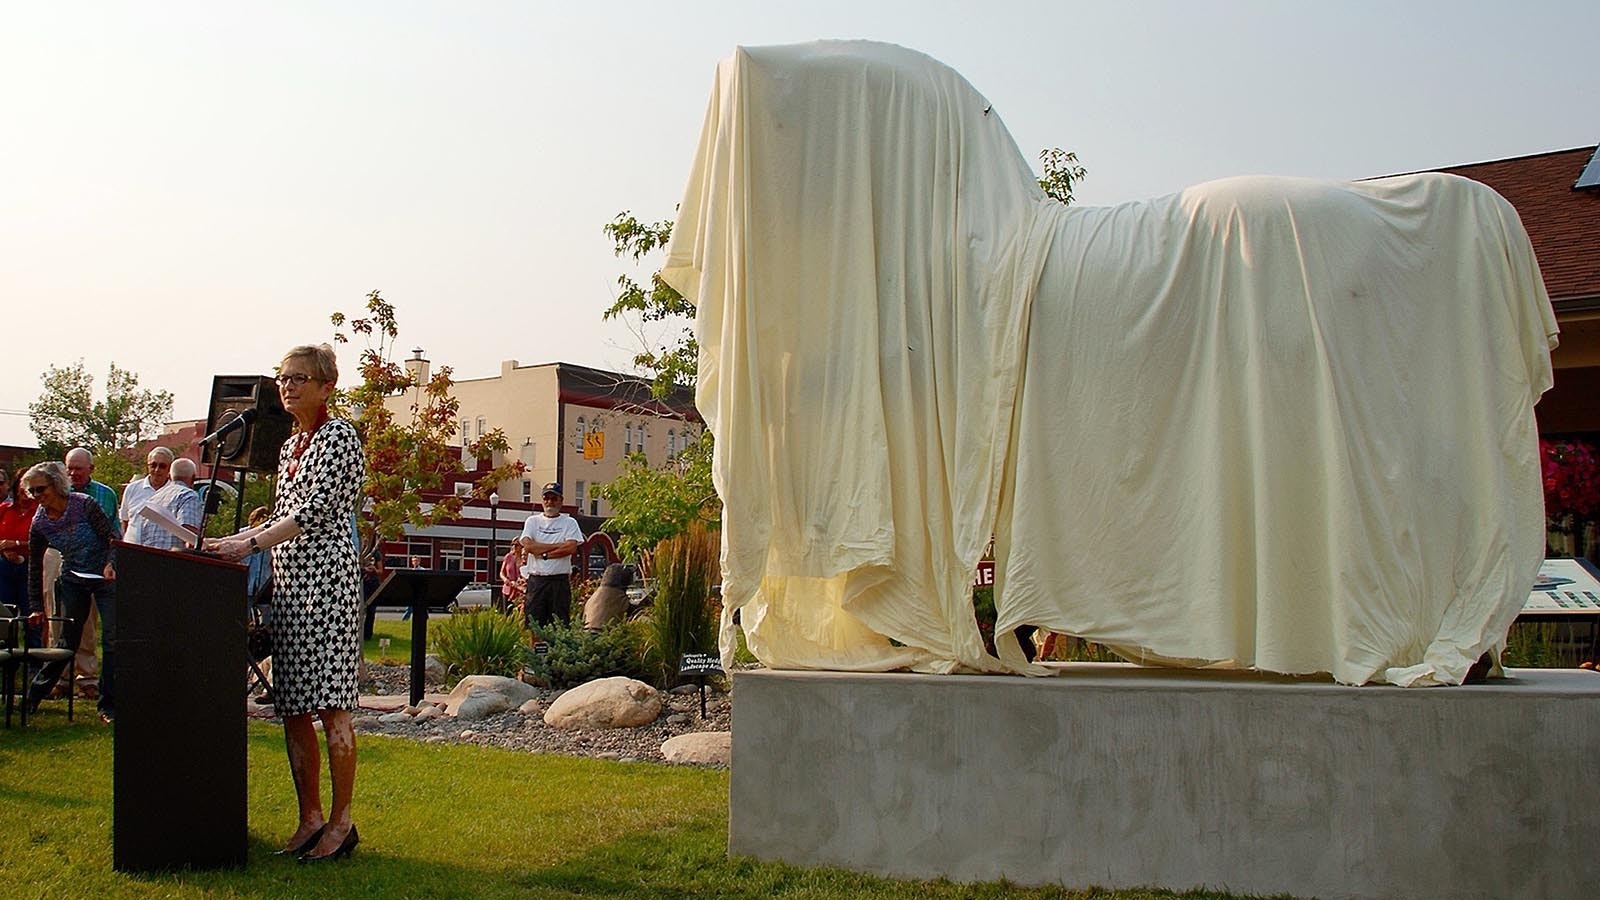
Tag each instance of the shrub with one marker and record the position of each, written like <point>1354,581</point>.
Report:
<point>480,642</point>
<point>574,656</point>
<point>684,616</point>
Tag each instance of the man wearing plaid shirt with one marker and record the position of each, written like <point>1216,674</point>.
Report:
<point>178,499</point>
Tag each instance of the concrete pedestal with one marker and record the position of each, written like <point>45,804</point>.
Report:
<point>1119,776</point>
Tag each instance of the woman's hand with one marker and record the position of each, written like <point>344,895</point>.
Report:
<point>109,572</point>
<point>229,547</point>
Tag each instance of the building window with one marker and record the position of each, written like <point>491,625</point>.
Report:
<point>582,430</point>
<point>594,497</point>
<point>481,422</point>
<point>451,552</point>
<point>465,434</point>
<point>578,497</point>
<point>672,443</point>
<point>627,439</point>
<point>527,491</point>
<point>463,488</point>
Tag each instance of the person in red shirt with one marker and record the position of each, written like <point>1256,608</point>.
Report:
<point>16,515</point>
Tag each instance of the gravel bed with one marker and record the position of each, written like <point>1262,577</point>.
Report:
<point>680,714</point>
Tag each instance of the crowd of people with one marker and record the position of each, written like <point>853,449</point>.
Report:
<point>58,565</point>
<point>58,534</point>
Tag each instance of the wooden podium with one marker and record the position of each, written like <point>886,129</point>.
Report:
<point>178,760</point>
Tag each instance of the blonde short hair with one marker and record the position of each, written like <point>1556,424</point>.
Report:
<point>319,358</point>
<point>160,453</point>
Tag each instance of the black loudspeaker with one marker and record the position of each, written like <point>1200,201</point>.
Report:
<point>255,446</point>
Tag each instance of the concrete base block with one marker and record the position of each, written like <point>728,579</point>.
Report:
<point>1119,776</point>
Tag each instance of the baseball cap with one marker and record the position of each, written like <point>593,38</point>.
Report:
<point>553,487</point>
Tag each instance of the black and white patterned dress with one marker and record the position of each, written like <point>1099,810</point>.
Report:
<point>316,592</point>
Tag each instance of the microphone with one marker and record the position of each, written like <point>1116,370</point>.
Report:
<point>240,419</point>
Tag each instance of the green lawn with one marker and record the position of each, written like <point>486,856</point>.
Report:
<point>437,820</point>
<point>399,634</point>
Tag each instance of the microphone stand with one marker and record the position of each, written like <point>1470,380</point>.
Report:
<point>205,507</point>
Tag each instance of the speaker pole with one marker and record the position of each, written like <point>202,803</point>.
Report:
<point>238,500</point>
<point>205,507</point>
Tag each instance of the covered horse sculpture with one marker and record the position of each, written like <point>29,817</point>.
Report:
<point>1264,422</point>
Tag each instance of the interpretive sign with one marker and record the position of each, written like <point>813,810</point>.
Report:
<point>1565,586</point>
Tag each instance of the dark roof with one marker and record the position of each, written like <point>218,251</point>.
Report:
<point>1563,223</point>
<point>611,390</point>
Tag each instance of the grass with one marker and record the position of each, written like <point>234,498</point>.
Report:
<point>437,820</point>
<point>399,634</point>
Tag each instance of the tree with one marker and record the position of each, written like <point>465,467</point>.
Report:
<point>650,505</point>
<point>66,415</point>
<point>1061,173</point>
<point>407,459</point>
<point>675,361</point>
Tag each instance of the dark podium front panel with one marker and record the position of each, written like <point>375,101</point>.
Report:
<point>179,766</point>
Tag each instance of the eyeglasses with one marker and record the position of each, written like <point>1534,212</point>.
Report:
<point>296,378</point>
<point>159,465</point>
<point>38,490</point>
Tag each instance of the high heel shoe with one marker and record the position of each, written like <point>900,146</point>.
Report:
<point>304,845</point>
<point>345,846</point>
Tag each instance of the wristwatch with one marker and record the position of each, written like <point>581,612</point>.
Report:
<point>253,545</point>
<point>545,555</point>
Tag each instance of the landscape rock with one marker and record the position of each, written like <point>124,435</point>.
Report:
<point>429,713</point>
<point>531,708</point>
<point>396,716</point>
<point>615,702</point>
<point>433,669</point>
<point>678,719</point>
<point>477,696</point>
<point>705,748</point>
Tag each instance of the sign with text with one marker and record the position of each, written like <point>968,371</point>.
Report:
<point>540,648</point>
<point>594,445</point>
<point>1565,586</point>
<point>699,664</point>
<point>985,574</point>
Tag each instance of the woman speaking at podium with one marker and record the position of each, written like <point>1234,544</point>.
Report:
<point>316,600</point>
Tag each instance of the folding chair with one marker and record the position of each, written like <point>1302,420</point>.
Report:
<point>259,641</point>
<point>37,657</point>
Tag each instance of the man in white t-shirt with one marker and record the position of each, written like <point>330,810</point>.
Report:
<point>158,465</point>
<point>551,539</point>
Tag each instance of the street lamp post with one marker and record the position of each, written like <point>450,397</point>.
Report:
<point>495,601</point>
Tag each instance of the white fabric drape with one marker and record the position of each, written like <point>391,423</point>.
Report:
<point>1270,422</point>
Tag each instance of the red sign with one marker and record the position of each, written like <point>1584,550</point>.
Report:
<point>985,576</point>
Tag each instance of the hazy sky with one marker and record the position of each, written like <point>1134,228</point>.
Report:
<point>190,188</point>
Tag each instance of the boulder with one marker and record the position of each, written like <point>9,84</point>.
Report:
<point>395,717</point>
<point>702,748</point>
<point>530,708</point>
<point>615,702</point>
<point>429,713</point>
<point>609,602</point>
<point>604,606</point>
<point>477,696</point>
<point>433,669</point>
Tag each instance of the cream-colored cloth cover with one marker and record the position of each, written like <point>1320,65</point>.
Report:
<point>1265,422</point>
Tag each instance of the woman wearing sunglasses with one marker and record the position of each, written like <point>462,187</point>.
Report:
<point>316,597</point>
<point>75,525</point>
